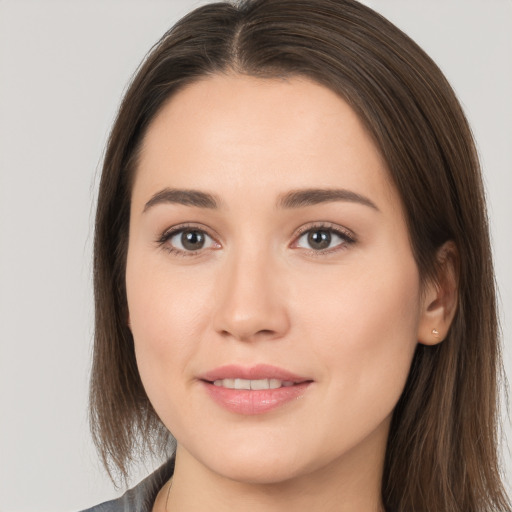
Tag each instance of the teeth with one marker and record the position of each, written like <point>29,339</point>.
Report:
<point>263,384</point>
<point>252,384</point>
<point>242,384</point>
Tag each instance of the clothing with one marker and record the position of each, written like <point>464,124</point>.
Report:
<point>140,498</point>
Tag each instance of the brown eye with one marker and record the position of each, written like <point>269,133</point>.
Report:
<point>319,239</point>
<point>323,239</point>
<point>192,240</point>
<point>188,240</point>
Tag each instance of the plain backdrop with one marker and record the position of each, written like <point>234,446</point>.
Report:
<point>63,68</point>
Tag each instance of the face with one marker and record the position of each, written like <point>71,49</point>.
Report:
<point>267,244</point>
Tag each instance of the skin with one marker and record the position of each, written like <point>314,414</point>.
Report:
<point>348,317</point>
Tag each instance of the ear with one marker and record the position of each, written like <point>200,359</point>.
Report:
<point>440,298</point>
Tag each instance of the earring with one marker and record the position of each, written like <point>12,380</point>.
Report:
<point>435,332</point>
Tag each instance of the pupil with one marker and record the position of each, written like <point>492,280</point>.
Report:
<point>192,240</point>
<point>319,239</point>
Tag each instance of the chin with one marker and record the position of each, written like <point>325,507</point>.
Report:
<point>252,463</point>
<point>261,471</point>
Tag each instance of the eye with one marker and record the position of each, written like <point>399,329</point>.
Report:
<point>322,238</point>
<point>187,240</point>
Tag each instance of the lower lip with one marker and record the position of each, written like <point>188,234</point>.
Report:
<point>250,402</point>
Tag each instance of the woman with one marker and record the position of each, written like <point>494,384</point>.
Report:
<point>293,273</point>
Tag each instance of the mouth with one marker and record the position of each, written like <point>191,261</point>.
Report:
<point>256,384</point>
<point>259,374</point>
<point>253,390</point>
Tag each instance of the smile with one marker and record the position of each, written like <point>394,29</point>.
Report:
<point>252,384</point>
<point>253,390</point>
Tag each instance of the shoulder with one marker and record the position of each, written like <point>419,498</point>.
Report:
<point>141,497</point>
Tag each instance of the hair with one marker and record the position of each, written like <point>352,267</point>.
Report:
<point>442,447</point>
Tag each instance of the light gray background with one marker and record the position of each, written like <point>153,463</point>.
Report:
<point>63,67</point>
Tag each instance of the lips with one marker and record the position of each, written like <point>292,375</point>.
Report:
<point>254,384</point>
<point>258,372</point>
<point>253,390</point>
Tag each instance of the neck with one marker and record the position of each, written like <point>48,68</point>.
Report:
<point>349,483</point>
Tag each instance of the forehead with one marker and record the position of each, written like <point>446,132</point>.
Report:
<point>267,133</point>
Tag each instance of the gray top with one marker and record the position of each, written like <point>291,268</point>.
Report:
<point>142,497</point>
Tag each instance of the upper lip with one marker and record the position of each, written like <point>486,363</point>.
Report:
<point>257,372</point>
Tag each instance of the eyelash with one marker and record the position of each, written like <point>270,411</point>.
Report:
<point>348,238</point>
<point>345,235</point>
<point>169,234</point>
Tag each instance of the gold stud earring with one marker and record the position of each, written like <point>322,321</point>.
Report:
<point>435,332</point>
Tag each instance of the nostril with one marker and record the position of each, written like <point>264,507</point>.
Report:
<point>267,332</point>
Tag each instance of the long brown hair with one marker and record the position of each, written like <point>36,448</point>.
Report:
<point>442,447</point>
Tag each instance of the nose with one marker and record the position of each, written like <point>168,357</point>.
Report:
<point>251,299</point>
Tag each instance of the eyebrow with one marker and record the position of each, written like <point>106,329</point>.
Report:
<point>293,199</point>
<point>310,197</point>
<point>182,196</point>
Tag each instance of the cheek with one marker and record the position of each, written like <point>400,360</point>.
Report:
<point>363,334</point>
<point>167,317</point>
<point>165,304</point>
